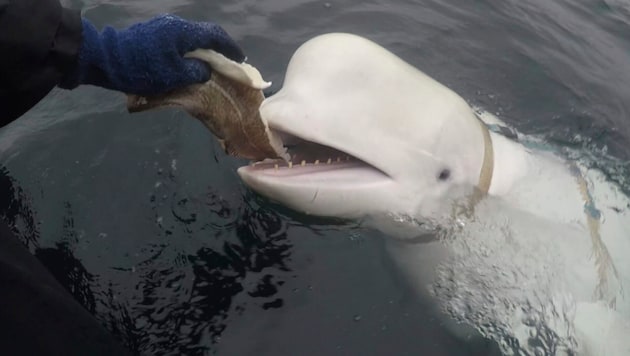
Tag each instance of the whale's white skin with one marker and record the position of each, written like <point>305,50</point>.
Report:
<point>526,252</point>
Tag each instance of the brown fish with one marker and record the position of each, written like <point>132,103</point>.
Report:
<point>228,105</point>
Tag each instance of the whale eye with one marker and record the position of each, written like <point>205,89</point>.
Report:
<point>445,174</point>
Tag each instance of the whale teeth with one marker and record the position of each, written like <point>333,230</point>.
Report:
<point>302,162</point>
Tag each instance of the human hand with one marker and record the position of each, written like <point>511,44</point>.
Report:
<point>148,58</point>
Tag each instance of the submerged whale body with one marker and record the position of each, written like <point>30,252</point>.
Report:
<point>519,244</point>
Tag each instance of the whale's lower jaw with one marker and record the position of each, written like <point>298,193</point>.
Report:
<point>337,189</point>
<point>345,175</point>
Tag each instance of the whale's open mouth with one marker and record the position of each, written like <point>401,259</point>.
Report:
<point>314,161</point>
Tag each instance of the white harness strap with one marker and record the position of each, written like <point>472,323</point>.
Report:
<point>609,283</point>
<point>606,271</point>
<point>487,167</point>
<point>485,175</point>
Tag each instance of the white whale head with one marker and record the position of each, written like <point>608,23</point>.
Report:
<point>368,134</point>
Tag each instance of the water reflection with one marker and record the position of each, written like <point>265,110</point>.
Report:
<point>70,273</point>
<point>179,308</point>
<point>184,308</point>
<point>15,209</point>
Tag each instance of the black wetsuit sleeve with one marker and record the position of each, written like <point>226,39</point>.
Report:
<point>39,44</point>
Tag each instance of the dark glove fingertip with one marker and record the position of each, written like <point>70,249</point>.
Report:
<point>223,43</point>
<point>232,51</point>
<point>196,70</point>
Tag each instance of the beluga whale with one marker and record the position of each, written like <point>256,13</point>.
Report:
<point>504,237</point>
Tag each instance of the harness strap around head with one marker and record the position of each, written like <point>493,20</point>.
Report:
<point>487,167</point>
<point>487,170</point>
<point>607,273</point>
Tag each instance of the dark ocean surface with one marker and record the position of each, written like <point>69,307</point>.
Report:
<point>144,219</point>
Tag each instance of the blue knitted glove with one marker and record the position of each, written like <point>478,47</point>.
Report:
<point>147,58</point>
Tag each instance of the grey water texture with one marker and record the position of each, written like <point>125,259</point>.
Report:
<point>143,218</point>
